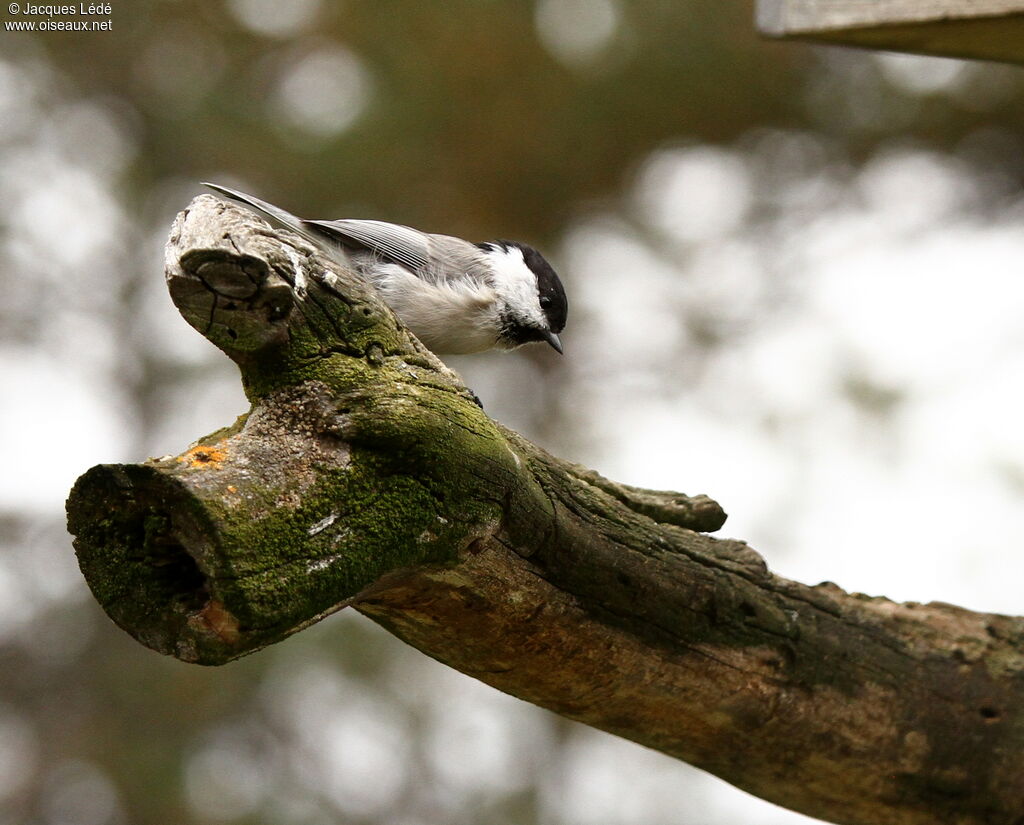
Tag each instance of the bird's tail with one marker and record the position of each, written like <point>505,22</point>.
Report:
<point>268,210</point>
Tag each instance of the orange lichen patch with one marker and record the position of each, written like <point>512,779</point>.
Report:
<point>214,618</point>
<point>203,455</point>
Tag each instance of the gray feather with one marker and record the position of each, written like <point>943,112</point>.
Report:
<point>275,213</point>
<point>432,258</point>
<point>391,241</point>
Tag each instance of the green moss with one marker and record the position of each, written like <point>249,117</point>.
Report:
<point>382,512</point>
<point>224,432</point>
<point>127,521</point>
<point>424,473</point>
<point>316,349</point>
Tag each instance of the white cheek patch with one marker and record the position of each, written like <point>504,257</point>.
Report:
<point>516,284</point>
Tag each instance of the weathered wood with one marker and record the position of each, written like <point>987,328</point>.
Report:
<point>366,475</point>
<point>985,29</point>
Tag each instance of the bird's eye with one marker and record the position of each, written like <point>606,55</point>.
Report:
<point>545,302</point>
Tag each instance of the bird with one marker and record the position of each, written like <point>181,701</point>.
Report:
<point>455,296</point>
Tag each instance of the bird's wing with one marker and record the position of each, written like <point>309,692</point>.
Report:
<point>268,210</point>
<point>391,241</point>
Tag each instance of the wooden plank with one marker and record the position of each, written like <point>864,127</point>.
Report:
<point>984,29</point>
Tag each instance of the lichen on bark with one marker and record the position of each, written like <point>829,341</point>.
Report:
<point>366,474</point>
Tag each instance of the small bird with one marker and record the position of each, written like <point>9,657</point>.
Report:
<point>455,296</point>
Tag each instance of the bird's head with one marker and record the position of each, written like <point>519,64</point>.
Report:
<point>532,304</point>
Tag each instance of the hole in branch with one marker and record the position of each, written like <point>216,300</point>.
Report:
<point>141,542</point>
<point>173,571</point>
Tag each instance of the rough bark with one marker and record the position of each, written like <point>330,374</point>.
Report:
<point>366,475</point>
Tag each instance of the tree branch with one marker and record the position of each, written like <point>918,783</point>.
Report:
<point>366,475</point>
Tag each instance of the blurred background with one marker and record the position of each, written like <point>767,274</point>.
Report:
<point>794,280</point>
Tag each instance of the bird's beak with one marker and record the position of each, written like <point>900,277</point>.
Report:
<point>554,340</point>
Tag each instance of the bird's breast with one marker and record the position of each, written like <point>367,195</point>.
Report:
<point>455,316</point>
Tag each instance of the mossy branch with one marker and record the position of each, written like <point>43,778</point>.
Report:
<point>365,474</point>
